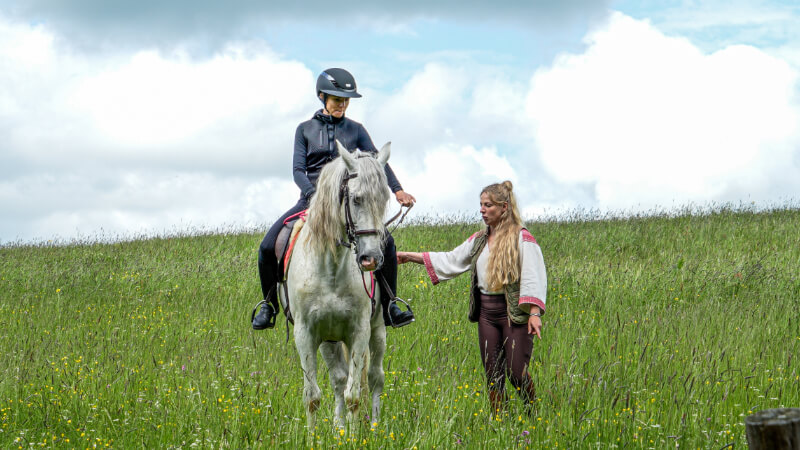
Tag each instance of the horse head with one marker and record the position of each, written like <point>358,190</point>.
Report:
<point>364,196</point>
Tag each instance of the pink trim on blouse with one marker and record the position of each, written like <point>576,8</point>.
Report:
<point>532,301</point>
<point>426,258</point>
<point>527,236</point>
<point>473,236</point>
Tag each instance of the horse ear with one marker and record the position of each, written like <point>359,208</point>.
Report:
<point>349,160</point>
<point>383,154</point>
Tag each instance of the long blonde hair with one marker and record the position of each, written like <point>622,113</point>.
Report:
<point>504,265</point>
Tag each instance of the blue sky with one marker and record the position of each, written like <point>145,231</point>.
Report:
<point>133,118</point>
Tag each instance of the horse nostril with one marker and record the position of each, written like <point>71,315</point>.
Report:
<point>367,260</point>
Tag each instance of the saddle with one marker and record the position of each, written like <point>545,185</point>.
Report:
<point>284,245</point>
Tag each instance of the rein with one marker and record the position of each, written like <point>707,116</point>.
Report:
<point>396,216</point>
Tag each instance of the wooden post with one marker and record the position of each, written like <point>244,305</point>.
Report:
<point>774,429</point>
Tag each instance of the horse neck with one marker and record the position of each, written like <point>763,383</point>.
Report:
<point>341,255</point>
<point>333,260</point>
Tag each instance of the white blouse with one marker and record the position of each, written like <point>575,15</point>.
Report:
<point>443,266</point>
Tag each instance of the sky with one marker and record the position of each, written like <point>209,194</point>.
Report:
<point>122,119</point>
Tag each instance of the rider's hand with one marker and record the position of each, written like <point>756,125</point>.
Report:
<point>405,198</point>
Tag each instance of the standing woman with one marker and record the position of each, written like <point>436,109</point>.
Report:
<point>315,146</point>
<point>507,295</point>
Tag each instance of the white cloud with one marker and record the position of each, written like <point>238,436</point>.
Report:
<point>235,100</point>
<point>151,140</point>
<point>453,176</point>
<point>693,16</point>
<point>154,109</point>
<point>650,119</point>
<point>429,105</point>
<point>130,203</point>
<point>456,128</point>
<point>134,143</point>
<point>461,104</point>
<point>789,53</point>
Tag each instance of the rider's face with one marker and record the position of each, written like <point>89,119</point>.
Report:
<point>336,106</point>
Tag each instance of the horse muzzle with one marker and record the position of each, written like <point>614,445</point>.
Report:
<point>368,263</point>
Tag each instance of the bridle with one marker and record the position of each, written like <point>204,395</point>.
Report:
<point>349,225</point>
<point>353,233</point>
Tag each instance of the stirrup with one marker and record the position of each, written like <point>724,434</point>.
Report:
<point>271,322</point>
<point>400,324</point>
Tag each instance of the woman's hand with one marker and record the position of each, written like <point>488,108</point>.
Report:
<point>535,326</point>
<point>405,198</point>
<point>404,257</point>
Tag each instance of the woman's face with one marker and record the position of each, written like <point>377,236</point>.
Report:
<point>336,106</point>
<point>491,212</point>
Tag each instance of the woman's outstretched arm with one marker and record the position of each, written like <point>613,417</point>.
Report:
<point>441,266</point>
<point>404,257</point>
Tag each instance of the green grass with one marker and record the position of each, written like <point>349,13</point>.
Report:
<point>660,331</point>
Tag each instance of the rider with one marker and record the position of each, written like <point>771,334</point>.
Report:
<point>315,146</point>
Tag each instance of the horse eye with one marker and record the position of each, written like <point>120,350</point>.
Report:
<point>357,201</point>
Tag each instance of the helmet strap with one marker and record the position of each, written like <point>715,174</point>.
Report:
<point>324,100</point>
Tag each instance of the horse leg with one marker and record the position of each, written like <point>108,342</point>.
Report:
<point>333,354</point>
<point>377,348</point>
<point>352,393</point>
<point>307,350</point>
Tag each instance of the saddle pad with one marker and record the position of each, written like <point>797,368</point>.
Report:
<point>292,239</point>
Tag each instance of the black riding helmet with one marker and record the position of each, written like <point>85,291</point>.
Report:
<point>338,82</point>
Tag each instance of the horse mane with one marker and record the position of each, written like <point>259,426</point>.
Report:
<point>326,214</point>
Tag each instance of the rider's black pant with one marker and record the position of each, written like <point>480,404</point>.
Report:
<point>268,262</point>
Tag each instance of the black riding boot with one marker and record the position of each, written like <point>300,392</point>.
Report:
<point>267,272</point>
<point>392,314</point>
<point>268,312</point>
<point>265,317</point>
<point>396,317</point>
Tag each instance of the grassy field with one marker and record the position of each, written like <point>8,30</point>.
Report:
<point>660,332</point>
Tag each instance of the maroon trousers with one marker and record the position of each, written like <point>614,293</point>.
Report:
<point>505,346</point>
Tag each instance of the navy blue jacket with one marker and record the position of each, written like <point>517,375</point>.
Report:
<point>315,146</point>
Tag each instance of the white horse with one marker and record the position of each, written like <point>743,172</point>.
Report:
<point>327,284</point>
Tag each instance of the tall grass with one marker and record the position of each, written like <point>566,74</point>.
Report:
<point>660,331</point>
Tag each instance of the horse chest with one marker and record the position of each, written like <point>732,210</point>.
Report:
<point>335,318</point>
